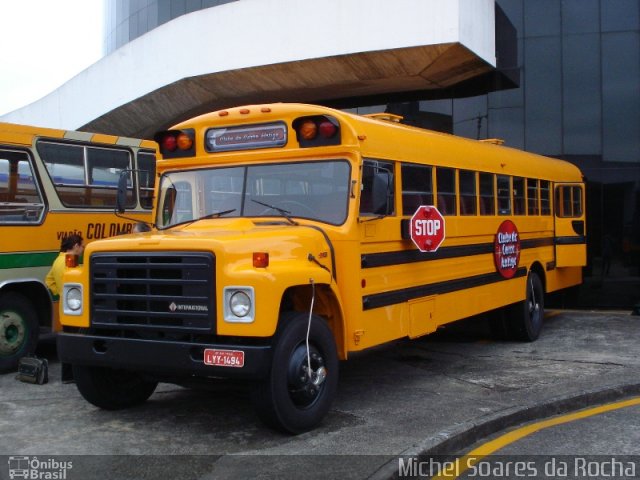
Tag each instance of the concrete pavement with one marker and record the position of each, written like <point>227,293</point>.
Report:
<point>433,395</point>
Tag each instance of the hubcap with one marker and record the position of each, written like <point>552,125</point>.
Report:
<point>304,386</point>
<point>12,333</point>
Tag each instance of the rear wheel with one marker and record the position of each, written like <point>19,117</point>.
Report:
<point>526,317</point>
<point>294,398</point>
<point>112,389</point>
<point>18,329</point>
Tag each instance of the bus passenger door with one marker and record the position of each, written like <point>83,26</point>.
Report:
<point>570,225</point>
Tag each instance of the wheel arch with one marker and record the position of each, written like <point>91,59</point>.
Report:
<point>38,294</point>
<point>326,305</point>
<point>538,269</point>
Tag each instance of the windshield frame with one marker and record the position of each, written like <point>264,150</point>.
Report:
<point>316,190</point>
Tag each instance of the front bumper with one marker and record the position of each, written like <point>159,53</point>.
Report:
<point>162,358</point>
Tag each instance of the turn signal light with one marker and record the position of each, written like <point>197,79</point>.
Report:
<point>71,260</point>
<point>308,130</point>
<point>184,141</point>
<point>260,259</point>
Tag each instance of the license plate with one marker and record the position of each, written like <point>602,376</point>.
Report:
<point>224,358</point>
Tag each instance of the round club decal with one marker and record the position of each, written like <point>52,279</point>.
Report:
<point>506,249</point>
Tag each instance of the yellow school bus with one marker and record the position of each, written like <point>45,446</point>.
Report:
<point>54,183</point>
<point>288,236</point>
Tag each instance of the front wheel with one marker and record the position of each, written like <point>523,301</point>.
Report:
<point>527,316</point>
<point>295,398</point>
<point>19,329</point>
<point>112,389</point>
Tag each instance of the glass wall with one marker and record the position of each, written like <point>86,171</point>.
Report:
<point>126,20</point>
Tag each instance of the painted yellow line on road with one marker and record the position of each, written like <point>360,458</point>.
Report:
<point>470,459</point>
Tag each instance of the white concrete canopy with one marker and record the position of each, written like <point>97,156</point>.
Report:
<point>253,51</point>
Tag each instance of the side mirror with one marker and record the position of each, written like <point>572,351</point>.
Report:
<point>121,196</point>
<point>381,192</point>
<point>169,204</point>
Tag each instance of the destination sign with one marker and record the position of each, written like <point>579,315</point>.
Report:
<point>265,135</point>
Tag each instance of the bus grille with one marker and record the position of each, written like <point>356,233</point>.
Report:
<point>153,291</point>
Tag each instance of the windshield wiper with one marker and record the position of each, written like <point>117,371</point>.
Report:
<point>285,213</point>
<point>204,217</point>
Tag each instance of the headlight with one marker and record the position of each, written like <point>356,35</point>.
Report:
<point>72,299</point>
<point>239,304</point>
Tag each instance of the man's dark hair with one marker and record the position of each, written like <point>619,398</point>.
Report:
<point>68,242</point>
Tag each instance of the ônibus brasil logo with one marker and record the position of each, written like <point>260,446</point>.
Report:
<point>38,469</point>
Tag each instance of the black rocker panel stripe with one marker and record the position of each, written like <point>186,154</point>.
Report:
<point>385,299</point>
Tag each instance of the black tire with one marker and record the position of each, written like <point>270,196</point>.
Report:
<point>288,399</point>
<point>112,389</point>
<point>526,317</point>
<point>19,329</point>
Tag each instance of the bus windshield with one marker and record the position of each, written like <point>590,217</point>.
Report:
<point>315,190</point>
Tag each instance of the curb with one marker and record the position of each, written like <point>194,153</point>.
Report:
<point>465,434</point>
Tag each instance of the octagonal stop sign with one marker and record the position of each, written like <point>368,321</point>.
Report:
<point>427,228</point>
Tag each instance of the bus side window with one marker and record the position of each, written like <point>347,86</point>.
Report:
<point>545,199</point>
<point>468,199</point>
<point>532,197</point>
<point>86,176</point>
<point>487,194</point>
<point>377,196</point>
<point>504,195</point>
<point>446,182</point>
<point>20,198</point>
<point>417,187</point>
<point>519,204</point>
<point>103,171</point>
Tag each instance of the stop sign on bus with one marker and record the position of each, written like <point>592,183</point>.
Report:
<point>427,228</point>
